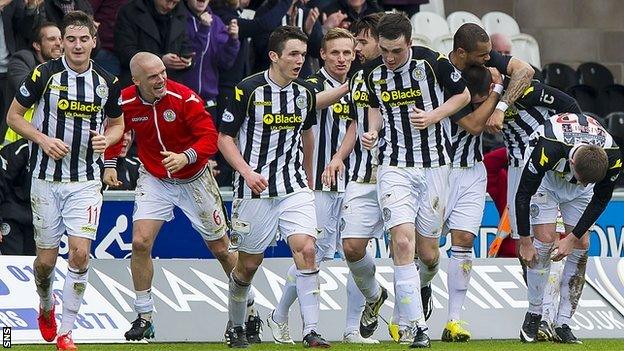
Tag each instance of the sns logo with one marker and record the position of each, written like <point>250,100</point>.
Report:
<point>4,289</point>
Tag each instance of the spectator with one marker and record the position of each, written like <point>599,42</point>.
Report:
<point>216,46</point>
<point>16,228</point>
<point>105,13</point>
<point>55,10</point>
<point>501,43</point>
<point>127,166</point>
<point>344,12</point>
<point>46,46</point>
<point>299,16</point>
<point>156,26</point>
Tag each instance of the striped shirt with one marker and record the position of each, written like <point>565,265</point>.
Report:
<point>421,82</point>
<point>537,104</point>
<point>67,105</point>
<point>363,167</point>
<point>330,130</point>
<point>268,121</point>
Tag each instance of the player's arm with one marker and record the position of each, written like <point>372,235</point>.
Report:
<point>474,121</point>
<point>328,97</point>
<point>27,95</point>
<point>539,94</point>
<point>307,137</point>
<point>201,126</point>
<point>375,121</point>
<point>336,165</point>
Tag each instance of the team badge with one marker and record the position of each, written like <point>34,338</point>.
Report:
<point>419,74</point>
<point>342,225</point>
<point>301,101</point>
<point>455,76</point>
<point>387,214</point>
<point>24,91</point>
<point>169,115</point>
<point>5,229</point>
<point>227,117</point>
<point>534,211</point>
<point>102,91</point>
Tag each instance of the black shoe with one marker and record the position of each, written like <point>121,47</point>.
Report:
<point>315,340</point>
<point>235,337</point>
<point>530,327</point>
<point>253,328</point>
<point>545,332</point>
<point>141,328</point>
<point>369,321</point>
<point>563,334</point>
<point>421,340</point>
<point>427,301</point>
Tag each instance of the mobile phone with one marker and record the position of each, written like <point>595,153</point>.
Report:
<point>188,55</point>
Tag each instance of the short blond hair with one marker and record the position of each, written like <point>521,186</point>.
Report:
<point>590,164</point>
<point>337,33</point>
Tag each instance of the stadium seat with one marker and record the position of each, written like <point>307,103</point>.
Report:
<point>559,75</point>
<point>586,96</point>
<point>615,124</point>
<point>443,44</point>
<point>538,75</point>
<point>525,47</point>
<point>611,98</point>
<point>457,18</point>
<point>421,40</point>
<point>594,75</point>
<point>429,24</point>
<point>435,6</point>
<point>499,22</point>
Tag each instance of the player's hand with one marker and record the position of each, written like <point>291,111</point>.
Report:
<point>232,29</point>
<point>110,178</point>
<point>422,119</point>
<point>54,147</point>
<point>174,162</point>
<point>335,167</point>
<point>369,140</point>
<point>494,124</point>
<point>565,247</point>
<point>99,143</point>
<point>206,19</point>
<point>527,251</point>
<point>312,17</point>
<point>174,61</point>
<point>334,20</point>
<point>255,181</point>
<point>497,77</point>
<point>30,4</point>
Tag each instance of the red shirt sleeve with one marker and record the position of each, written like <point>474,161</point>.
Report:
<point>201,127</point>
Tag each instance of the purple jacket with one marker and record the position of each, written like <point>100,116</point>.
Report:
<point>214,50</point>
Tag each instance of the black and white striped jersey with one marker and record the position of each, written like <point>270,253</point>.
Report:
<point>67,105</point>
<point>537,104</point>
<point>421,82</point>
<point>268,121</point>
<point>329,131</point>
<point>363,161</point>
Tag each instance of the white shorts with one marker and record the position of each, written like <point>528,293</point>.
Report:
<point>555,193</point>
<point>413,195</point>
<point>360,215</point>
<point>58,207</point>
<point>200,200</point>
<point>514,174</point>
<point>327,204</point>
<point>466,201</point>
<point>260,222</point>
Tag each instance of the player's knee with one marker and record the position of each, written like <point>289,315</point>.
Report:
<point>353,252</point>
<point>78,257</point>
<point>429,257</point>
<point>141,244</point>
<point>403,246</point>
<point>221,253</point>
<point>42,268</point>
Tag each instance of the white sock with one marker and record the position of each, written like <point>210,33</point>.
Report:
<point>407,293</point>
<point>75,285</point>
<point>426,273</point>
<point>289,295</point>
<point>355,306</point>
<point>144,303</point>
<point>458,279</point>
<point>308,289</point>
<point>363,272</point>
<point>537,276</point>
<point>44,289</point>
<point>397,317</point>
<point>237,300</point>
<point>573,274</point>
<point>551,294</point>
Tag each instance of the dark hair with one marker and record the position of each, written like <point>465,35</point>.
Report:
<point>478,80</point>
<point>367,23</point>
<point>281,35</point>
<point>38,33</point>
<point>468,35</point>
<point>394,25</point>
<point>78,19</point>
<point>590,164</point>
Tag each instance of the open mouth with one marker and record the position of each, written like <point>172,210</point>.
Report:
<point>296,70</point>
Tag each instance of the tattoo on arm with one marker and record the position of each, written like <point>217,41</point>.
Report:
<point>520,80</point>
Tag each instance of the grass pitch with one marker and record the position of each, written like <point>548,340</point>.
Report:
<point>478,345</point>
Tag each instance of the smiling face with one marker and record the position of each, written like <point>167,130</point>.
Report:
<point>480,55</point>
<point>198,6</point>
<point>151,78</point>
<point>291,59</point>
<point>78,44</point>
<point>338,55</point>
<point>394,52</point>
<point>49,43</point>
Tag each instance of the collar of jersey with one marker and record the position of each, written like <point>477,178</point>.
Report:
<point>334,83</point>
<point>71,71</point>
<point>272,83</point>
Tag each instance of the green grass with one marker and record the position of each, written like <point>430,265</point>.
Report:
<point>481,345</point>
